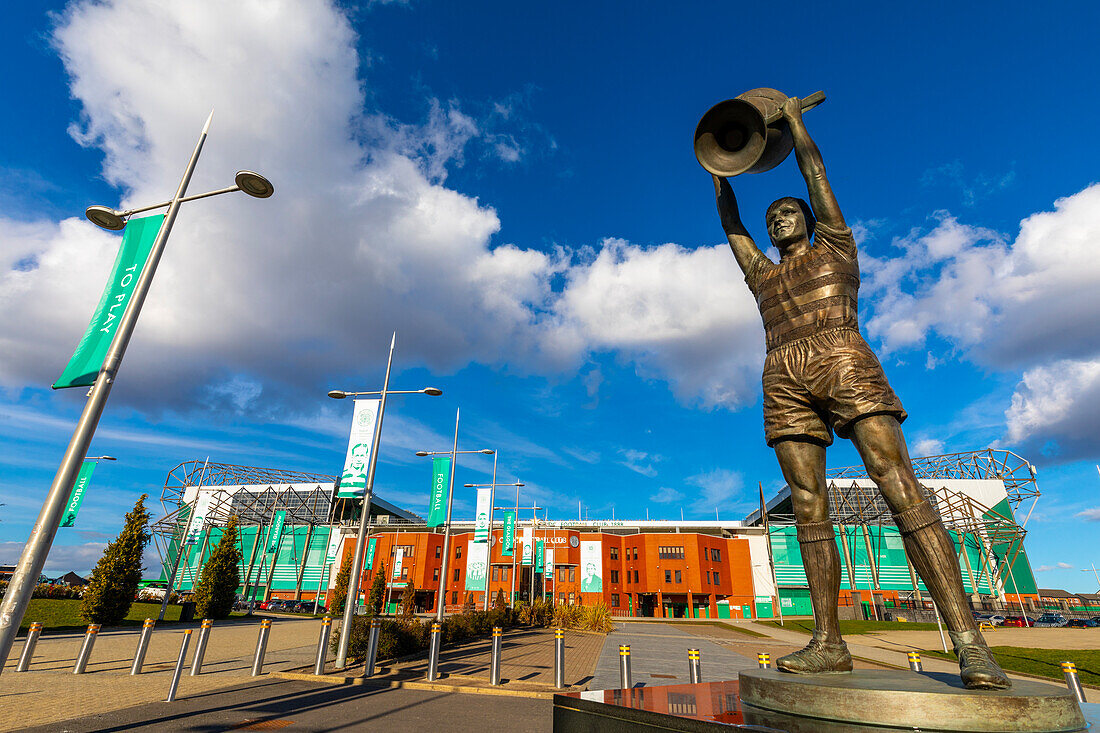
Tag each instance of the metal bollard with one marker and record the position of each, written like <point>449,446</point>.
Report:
<point>179,667</point>
<point>624,666</point>
<point>914,662</point>
<point>372,646</point>
<point>28,647</point>
<point>322,645</point>
<point>143,646</point>
<point>1073,682</point>
<point>261,648</point>
<point>494,659</point>
<point>694,671</point>
<point>764,660</point>
<point>200,646</point>
<point>433,651</point>
<point>86,649</point>
<point>559,658</point>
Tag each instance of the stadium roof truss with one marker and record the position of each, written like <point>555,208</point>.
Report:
<point>976,526</point>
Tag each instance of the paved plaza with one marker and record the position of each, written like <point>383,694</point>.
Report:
<point>225,695</point>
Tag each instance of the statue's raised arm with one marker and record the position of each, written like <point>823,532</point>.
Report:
<point>822,200</point>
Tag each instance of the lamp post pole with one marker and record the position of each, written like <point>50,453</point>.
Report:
<point>492,512</point>
<point>453,452</point>
<point>351,599</point>
<point>35,551</point>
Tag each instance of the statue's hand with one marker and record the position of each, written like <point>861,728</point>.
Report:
<point>792,109</point>
<point>727,204</point>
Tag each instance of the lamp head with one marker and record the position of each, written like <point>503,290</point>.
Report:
<point>254,184</point>
<point>422,453</point>
<point>105,218</point>
<point>487,451</point>
<point>432,391</point>
<point>521,484</point>
<point>337,394</point>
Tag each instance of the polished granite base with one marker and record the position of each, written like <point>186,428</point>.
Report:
<point>711,706</point>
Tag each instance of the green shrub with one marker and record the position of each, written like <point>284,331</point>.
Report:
<point>217,587</point>
<point>114,582</point>
<point>377,595</point>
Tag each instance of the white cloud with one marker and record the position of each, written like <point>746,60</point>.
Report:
<point>1028,304</point>
<point>1090,515</point>
<point>927,447</point>
<point>640,462</point>
<point>261,299</point>
<point>1054,408</point>
<point>1055,566</point>
<point>720,488</point>
<point>666,495</point>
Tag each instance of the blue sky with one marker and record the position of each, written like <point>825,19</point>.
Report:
<point>512,189</point>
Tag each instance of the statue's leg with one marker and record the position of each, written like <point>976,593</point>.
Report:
<point>881,444</point>
<point>803,466</point>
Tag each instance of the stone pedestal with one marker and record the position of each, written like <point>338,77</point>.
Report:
<point>864,701</point>
<point>927,701</point>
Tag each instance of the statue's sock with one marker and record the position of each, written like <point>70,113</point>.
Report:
<point>821,559</point>
<point>932,553</point>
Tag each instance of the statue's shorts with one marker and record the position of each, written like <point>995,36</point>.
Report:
<point>823,383</point>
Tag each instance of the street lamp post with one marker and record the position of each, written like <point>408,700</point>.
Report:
<point>38,545</point>
<point>351,599</point>
<point>492,512</point>
<point>453,453</point>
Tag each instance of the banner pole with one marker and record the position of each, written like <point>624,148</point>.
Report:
<point>447,529</point>
<point>515,524</point>
<point>352,597</point>
<point>492,511</point>
<point>33,558</point>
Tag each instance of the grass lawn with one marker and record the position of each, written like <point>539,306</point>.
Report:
<point>1043,662</point>
<point>64,615</point>
<point>848,628</point>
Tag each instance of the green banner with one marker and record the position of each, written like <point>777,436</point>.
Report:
<point>437,506</point>
<point>82,480</point>
<point>84,366</point>
<point>276,535</point>
<point>509,534</point>
<point>370,551</point>
<point>540,553</point>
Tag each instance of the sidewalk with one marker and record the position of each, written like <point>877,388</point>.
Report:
<point>49,692</point>
<point>526,663</point>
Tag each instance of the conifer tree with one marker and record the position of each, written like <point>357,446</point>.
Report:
<point>340,592</point>
<point>220,576</point>
<point>377,591</point>
<point>469,606</point>
<point>408,601</point>
<point>498,602</point>
<point>115,578</point>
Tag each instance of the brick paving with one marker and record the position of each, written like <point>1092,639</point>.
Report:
<point>49,692</point>
<point>526,655</point>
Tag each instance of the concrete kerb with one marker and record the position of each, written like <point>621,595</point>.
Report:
<point>376,682</point>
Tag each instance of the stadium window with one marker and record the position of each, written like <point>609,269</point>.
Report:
<point>435,575</point>
<point>668,576</point>
<point>716,581</point>
<point>457,570</point>
<point>561,575</point>
<point>614,600</point>
<point>572,579</point>
<point>561,598</point>
<point>572,598</point>
<point>614,553</point>
<point>635,553</point>
<point>496,572</point>
<point>614,576</point>
<point>504,573</point>
<point>678,578</point>
<point>454,598</point>
<point>438,550</point>
<point>708,577</point>
<point>716,555</point>
<point>458,551</point>
<point>635,576</point>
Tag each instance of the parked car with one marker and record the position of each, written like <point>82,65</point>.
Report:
<point>996,619</point>
<point>1018,621</point>
<point>1082,623</point>
<point>1051,620</point>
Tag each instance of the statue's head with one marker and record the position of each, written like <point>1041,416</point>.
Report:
<point>789,220</point>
